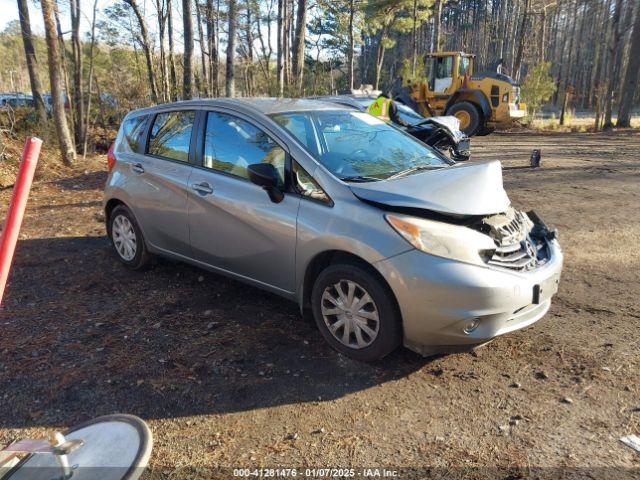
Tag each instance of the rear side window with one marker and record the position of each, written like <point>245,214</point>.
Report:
<point>132,131</point>
<point>171,135</point>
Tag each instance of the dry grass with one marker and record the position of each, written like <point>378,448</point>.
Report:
<point>572,124</point>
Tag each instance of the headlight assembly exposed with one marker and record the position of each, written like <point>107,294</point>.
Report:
<point>443,239</point>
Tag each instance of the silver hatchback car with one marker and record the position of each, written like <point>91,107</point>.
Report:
<point>382,238</point>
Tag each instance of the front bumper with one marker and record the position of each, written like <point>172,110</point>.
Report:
<point>439,298</point>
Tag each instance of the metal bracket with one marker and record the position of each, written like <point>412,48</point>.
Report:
<point>55,445</point>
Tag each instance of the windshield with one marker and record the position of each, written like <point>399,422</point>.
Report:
<point>357,146</point>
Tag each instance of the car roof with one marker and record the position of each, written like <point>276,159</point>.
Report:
<point>263,105</point>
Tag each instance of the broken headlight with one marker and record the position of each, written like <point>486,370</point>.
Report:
<point>443,239</point>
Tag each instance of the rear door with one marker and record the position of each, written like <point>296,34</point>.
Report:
<point>160,181</point>
<point>234,225</point>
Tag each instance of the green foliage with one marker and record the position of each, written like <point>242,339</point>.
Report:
<point>385,16</point>
<point>538,87</point>
<point>406,67</point>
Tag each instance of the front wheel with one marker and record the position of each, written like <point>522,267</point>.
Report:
<point>356,313</point>
<point>469,116</point>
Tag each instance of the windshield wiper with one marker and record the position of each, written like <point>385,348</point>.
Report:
<point>359,178</point>
<point>409,171</point>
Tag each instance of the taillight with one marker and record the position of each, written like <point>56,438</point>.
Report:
<point>111,158</point>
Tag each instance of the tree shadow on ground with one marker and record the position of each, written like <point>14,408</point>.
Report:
<point>86,181</point>
<point>84,336</point>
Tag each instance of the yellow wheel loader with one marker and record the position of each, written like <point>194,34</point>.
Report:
<point>481,102</point>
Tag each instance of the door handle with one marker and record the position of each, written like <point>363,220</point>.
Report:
<point>137,167</point>
<point>202,188</point>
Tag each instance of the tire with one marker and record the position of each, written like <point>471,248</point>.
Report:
<point>468,111</point>
<point>387,328</point>
<point>121,218</point>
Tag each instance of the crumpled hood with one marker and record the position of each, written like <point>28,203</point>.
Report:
<point>449,122</point>
<point>473,188</point>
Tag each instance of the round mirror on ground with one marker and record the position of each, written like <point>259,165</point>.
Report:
<point>114,447</point>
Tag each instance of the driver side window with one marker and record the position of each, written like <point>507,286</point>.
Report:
<point>232,144</point>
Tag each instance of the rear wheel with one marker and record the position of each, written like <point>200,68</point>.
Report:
<point>469,116</point>
<point>126,239</point>
<point>356,312</point>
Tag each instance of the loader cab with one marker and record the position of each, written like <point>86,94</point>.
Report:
<point>444,69</point>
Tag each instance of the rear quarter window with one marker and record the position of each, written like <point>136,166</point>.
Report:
<point>170,135</point>
<point>132,131</point>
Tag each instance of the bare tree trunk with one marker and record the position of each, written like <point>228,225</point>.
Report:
<point>78,95</point>
<point>249,70</point>
<point>265,56</point>
<point>437,25</point>
<point>566,89</point>
<point>414,39</point>
<point>213,47</point>
<point>203,51</point>
<point>543,34</point>
<point>68,101</point>
<point>523,30</point>
<point>614,44</point>
<point>298,44</point>
<point>502,34</point>
<point>32,61</point>
<point>187,72</point>
<point>280,54</point>
<point>630,84</point>
<point>512,36</point>
<point>90,80</point>
<point>230,79</point>
<point>285,42</point>
<point>380,57</point>
<point>351,47</point>
<point>55,76</point>
<point>161,7</point>
<point>172,59</point>
<point>143,39</point>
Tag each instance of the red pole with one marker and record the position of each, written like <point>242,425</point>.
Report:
<point>17,206</point>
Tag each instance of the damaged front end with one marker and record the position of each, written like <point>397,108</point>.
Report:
<point>522,240</point>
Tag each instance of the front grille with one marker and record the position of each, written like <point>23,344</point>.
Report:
<point>515,249</point>
<point>520,256</point>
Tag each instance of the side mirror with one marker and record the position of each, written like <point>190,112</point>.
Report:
<point>265,175</point>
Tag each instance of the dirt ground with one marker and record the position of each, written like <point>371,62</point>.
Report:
<point>228,376</point>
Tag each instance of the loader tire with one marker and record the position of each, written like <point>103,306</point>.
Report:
<point>469,116</point>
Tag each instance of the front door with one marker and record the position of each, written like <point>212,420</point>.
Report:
<point>234,226</point>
